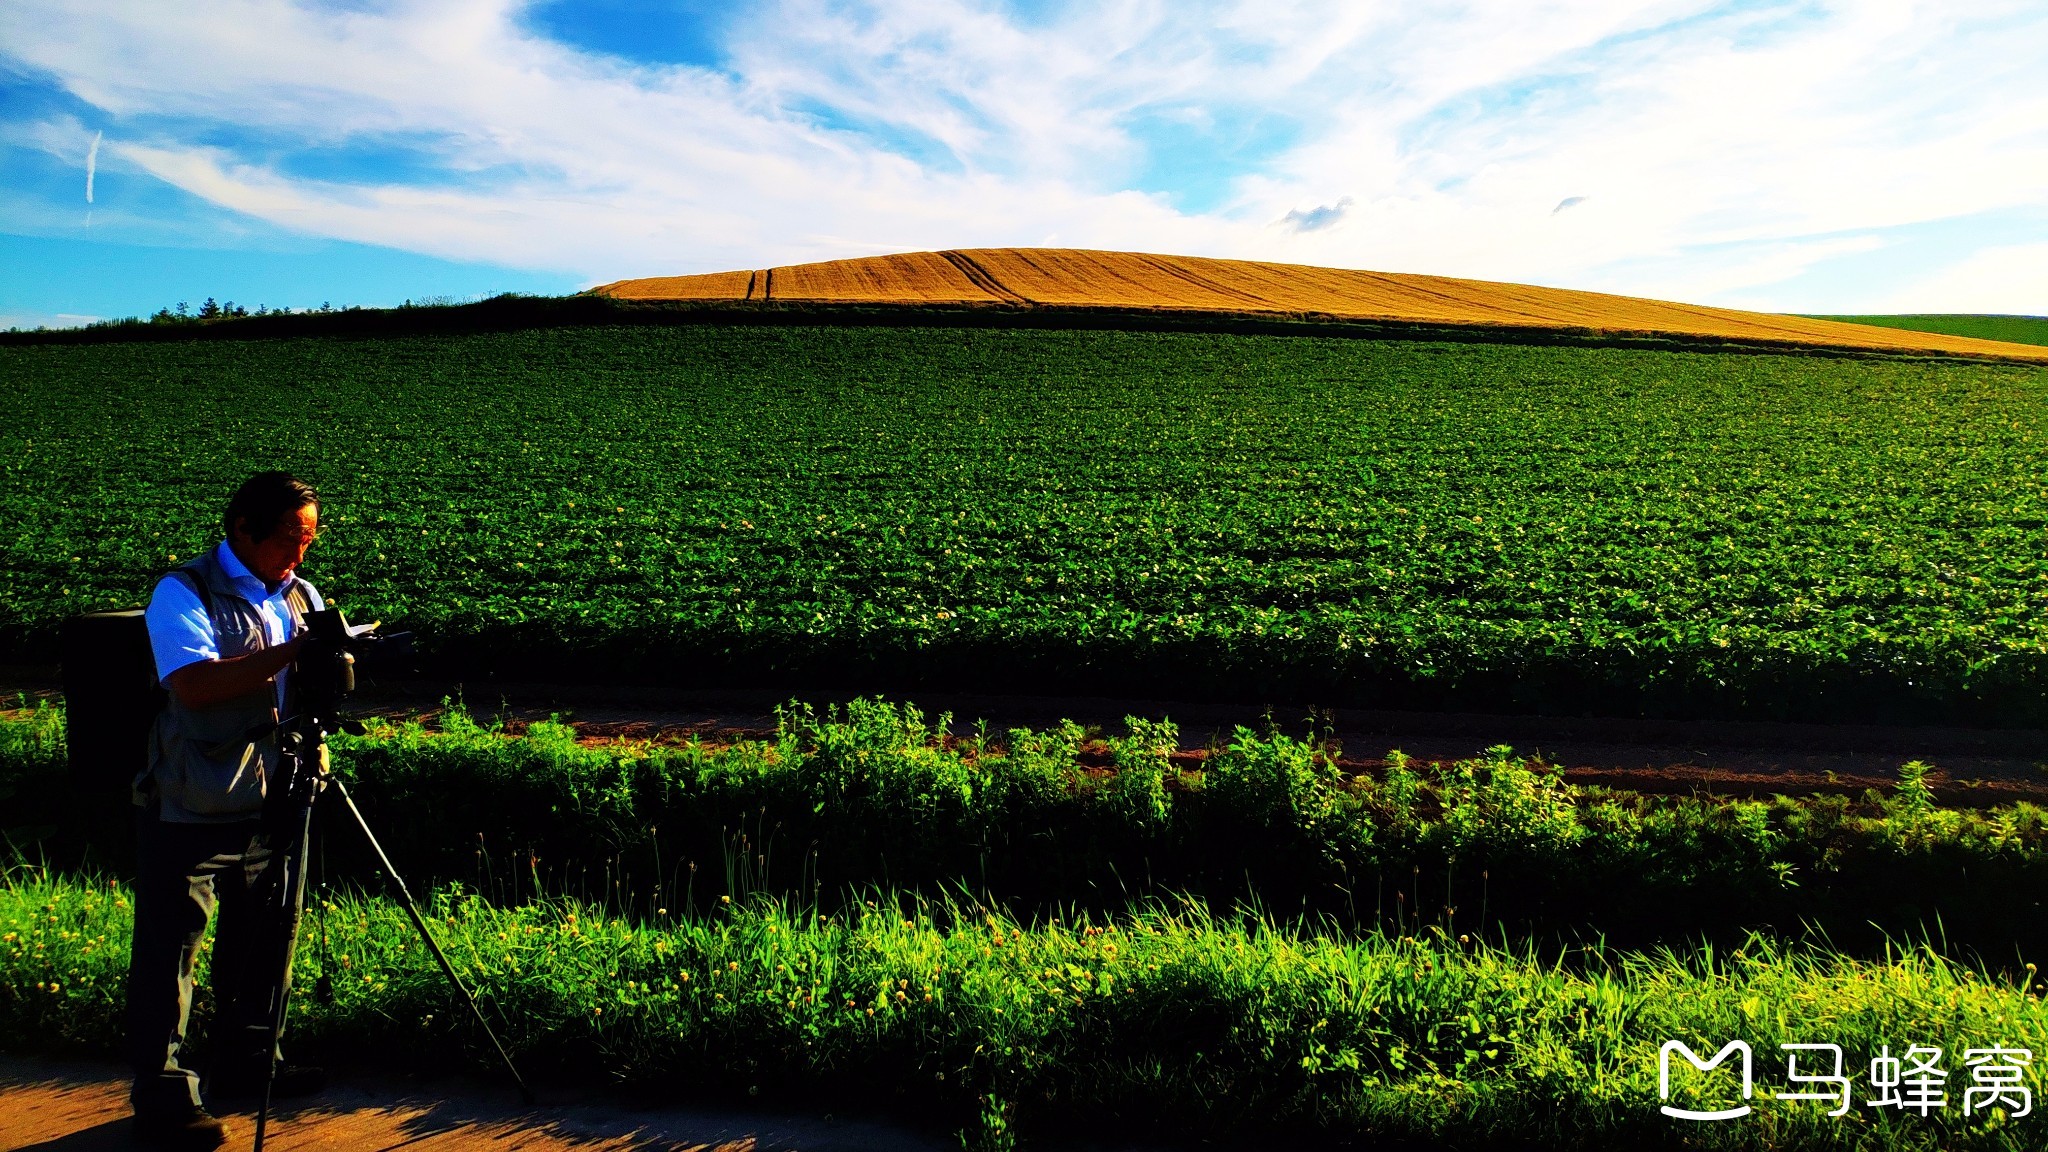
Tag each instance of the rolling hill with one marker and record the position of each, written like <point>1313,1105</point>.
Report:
<point>1084,280</point>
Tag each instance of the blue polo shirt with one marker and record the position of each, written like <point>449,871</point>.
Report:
<point>181,633</point>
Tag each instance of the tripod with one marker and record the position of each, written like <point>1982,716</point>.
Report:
<point>302,779</point>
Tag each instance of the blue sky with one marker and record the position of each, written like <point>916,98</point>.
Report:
<point>1879,155</point>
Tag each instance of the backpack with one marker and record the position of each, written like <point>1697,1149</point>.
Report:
<point>111,694</point>
<point>111,698</point>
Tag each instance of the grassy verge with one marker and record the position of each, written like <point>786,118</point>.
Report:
<point>32,768</point>
<point>1165,1022</point>
<point>877,794</point>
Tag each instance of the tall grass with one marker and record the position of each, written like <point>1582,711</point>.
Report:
<point>878,794</point>
<point>31,739</point>
<point>1163,1020</point>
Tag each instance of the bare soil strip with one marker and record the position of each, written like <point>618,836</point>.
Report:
<point>1976,768</point>
<point>1074,278</point>
<point>78,1107</point>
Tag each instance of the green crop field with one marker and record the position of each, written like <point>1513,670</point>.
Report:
<point>2015,329</point>
<point>1342,521</point>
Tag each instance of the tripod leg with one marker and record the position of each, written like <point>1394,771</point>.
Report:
<point>412,911</point>
<point>291,900</point>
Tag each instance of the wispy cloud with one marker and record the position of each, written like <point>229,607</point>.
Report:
<point>92,163</point>
<point>1318,218</point>
<point>1726,141</point>
<point>33,320</point>
<point>2007,279</point>
<point>1734,273</point>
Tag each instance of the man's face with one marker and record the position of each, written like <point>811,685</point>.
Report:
<point>272,558</point>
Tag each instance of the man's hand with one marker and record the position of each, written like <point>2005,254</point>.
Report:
<point>211,682</point>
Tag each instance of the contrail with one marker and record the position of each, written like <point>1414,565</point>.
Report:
<point>92,162</point>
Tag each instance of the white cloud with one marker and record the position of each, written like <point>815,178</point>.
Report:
<point>29,321</point>
<point>1731,273</point>
<point>2011,280</point>
<point>1717,149</point>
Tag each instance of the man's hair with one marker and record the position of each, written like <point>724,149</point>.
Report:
<point>264,500</point>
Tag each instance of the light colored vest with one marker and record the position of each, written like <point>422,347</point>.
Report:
<point>203,766</point>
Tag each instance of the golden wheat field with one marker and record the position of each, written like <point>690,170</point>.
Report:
<point>1134,281</point>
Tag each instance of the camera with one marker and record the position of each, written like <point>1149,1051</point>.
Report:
<point>325,673</point>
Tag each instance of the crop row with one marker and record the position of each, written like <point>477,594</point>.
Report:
<point>1333,521</point>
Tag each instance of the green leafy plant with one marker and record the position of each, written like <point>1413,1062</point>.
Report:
<point>1136,793</point>
<point>873,792</point>
<point>1399,524</point>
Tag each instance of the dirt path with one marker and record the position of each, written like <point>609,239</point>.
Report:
<point>1975,767</point>
<point>78,1107</point>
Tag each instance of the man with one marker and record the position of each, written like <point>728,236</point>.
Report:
<point>224,628</point>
